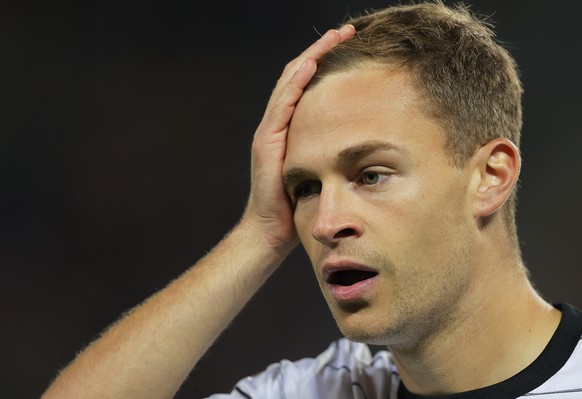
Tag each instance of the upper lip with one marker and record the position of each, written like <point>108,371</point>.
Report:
<point>330,267</point>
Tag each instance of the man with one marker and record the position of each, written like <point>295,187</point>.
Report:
<point>389,148</point>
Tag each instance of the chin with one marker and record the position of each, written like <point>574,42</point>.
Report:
<point>367,328</point>
<point>375,336</point>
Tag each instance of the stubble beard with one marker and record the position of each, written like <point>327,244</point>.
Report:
<point>416,314</point>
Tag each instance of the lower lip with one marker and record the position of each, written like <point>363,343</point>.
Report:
<point>352,292</point>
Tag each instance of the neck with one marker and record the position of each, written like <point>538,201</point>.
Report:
<point>501,328</point>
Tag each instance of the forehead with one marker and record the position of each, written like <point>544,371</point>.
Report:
<point>358,105</point>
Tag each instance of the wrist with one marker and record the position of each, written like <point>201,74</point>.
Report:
<point>268,235</point>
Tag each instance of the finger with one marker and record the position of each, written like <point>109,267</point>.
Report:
<point>326,42</point>
<point>322,46</point>
<point>346,31</point>
<point>284,106</point>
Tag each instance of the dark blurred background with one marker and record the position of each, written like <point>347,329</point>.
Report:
<point>124,150</point>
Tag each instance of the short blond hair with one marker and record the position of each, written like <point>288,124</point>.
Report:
<point>469,81</point>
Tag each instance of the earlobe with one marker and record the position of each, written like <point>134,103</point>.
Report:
<point>498,164</point>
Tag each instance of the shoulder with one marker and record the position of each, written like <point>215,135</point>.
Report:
<point>345,369</point>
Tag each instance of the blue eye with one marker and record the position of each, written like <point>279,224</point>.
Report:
<point>370,178</point>
<point>306,189</point>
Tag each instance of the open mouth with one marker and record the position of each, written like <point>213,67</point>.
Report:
<point>349,277</point>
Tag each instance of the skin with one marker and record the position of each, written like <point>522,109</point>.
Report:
<point>150,351</point>
<point>450,297</point>
<point>411,224</point>
<point>372,185</point>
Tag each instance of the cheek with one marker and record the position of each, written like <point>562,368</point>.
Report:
<point>436,230</point>
<point>422,224</point>
<point>303,219</point>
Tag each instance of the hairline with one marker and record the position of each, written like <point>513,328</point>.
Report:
<point>425,102</point>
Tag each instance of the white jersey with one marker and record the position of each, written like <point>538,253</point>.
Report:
<point>347,370</point>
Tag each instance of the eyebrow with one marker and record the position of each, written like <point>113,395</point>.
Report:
<point>349,154</point>
<point>364,149</point>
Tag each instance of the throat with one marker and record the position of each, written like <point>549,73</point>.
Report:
<point>448,363</point>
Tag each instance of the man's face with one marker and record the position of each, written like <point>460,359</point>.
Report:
<point>385,219</point>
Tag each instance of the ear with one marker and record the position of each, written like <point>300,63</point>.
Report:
<point>497,166</point>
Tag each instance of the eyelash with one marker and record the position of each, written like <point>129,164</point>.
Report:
<point>308,184</point>
<point>297,195</point>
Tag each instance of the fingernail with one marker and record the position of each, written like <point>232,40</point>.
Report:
<point>346,28</point>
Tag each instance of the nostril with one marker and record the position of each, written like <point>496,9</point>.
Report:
<point>343,233</point>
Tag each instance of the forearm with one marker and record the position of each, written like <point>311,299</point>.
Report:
<point>149,352</point>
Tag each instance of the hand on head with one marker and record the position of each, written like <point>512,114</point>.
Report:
<point>268,209</point>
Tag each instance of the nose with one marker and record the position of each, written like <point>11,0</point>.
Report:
<point>335,218</point>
